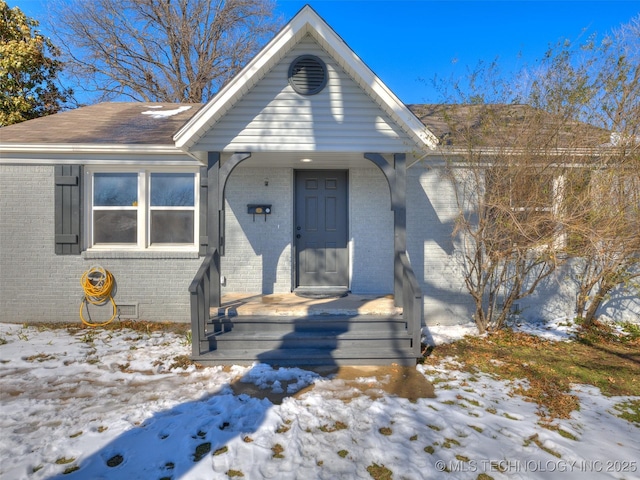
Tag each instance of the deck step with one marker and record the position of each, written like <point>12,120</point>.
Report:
<point>336,325</point>
<point>315,340</point>
<point>309,341</point>
<point>308,357</point>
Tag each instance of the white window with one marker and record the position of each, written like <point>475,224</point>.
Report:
<point>522,207</point>
<point>142,209</point>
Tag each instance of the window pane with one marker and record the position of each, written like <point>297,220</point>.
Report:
<point>172,189</point>
<point>174,226</point>
<point>115,226</point>
<point>115,189</point>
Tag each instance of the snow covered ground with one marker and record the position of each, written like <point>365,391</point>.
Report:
<point>117,405</point>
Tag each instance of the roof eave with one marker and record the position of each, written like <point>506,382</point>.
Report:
<point>493,151</point>
<point>486,156</point>
<point>94,153</point>
<point>138,149</point>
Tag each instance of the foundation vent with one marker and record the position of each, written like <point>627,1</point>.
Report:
<point>128,310</point>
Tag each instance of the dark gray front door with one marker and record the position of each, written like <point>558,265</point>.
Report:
<point>322,258</point>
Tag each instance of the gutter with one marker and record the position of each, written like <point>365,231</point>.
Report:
<point>93,154</point>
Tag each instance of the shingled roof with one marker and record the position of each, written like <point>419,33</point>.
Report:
<point>156,123</point>
<point>505,125</point>
<point>105,123</point>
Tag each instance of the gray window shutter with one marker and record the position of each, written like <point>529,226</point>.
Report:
<point>204,240</point>
<point>68,209</point>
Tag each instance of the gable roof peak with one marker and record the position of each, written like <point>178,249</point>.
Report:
<point>306,21</point>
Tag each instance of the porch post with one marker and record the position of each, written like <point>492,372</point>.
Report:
<point>397,179</point>
<point>399,205</point>
<point>213,226</point>
<point>224,172</point>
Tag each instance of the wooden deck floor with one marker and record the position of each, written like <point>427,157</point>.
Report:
<point>289,304</point>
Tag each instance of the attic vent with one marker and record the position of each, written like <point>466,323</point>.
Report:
<point>307,75</point>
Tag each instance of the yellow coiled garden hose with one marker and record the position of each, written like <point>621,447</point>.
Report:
<point>97,284</point>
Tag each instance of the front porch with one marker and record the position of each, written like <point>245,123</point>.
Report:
<point>303,184</point>
<point>288,330</point>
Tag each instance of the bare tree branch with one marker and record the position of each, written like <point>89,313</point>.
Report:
<point>161,50</point>
<point>548,172</point>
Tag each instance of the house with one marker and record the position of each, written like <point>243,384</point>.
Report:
<point>305,172</point>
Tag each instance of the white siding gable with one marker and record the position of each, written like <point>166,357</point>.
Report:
<point>272,117</point>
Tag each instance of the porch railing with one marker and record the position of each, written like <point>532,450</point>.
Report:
<point>412,303</point>
<point>203,295</point>
<point>205,292</point>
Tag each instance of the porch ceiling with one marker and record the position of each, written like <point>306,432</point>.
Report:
<point>319,160</point>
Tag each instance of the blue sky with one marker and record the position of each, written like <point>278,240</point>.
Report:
<point>407,42</point>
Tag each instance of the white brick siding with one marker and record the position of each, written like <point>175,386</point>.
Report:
<point>257,252</point>
<point>38,286</point>
<point>431,211</point>
<point>371,225</point>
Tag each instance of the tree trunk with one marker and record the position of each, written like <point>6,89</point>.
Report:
<point>592,309</point>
